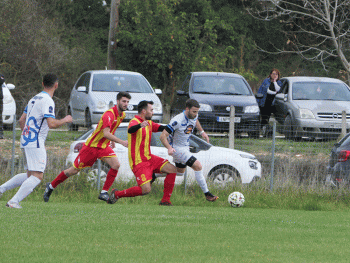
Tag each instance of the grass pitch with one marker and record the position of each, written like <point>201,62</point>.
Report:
<point>97,232</point>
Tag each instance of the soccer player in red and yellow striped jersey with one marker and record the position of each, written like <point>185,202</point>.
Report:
<point>142,162</point>
<point>97,146</point>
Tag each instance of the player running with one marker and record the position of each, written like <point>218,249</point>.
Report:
<point>142,162</point>
<point>36,121</point>
<point>96,147</point>
<point>179,131</point>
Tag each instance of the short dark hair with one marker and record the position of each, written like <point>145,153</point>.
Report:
<point>192,103</point>
<point>49,80</point>
<point>143,105</point>
<point>123,94</point>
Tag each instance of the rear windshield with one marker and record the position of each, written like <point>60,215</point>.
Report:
<point>120,82</point>
<point>320,91</point>
<point>220,85</point>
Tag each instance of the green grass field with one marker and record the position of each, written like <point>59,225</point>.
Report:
<point>85,232</point>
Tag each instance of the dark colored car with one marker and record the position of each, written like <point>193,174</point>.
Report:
<point>216,92</point>
<point>339,163</point>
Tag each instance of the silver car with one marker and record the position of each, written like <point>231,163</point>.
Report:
<point>96,91</point>
<point>312,107</point>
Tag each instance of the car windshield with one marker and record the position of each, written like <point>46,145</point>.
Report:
<point>120,82</point>
<point>220,85</point>
<point>320,91</point>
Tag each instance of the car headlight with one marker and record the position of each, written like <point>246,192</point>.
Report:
<point>101,104</point>
<point>251,109</point>
<point>306,114</point>
<point>7,99</point>
<point>205,107</point>
<point>157,108</point>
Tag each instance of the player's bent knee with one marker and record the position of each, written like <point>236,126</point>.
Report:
<point>146,189</point>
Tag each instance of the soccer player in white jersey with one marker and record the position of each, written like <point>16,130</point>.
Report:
<point>36,120</point>
<point>179,131</point>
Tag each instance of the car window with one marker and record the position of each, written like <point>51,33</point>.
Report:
<point>84,81</point>
<point>285,86</point>
<point>120,82</point>
<point>320,91</point>
<point>220,85</point>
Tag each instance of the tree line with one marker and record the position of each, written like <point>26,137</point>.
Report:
<point>162,39</point>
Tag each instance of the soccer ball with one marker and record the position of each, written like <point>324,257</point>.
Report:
<point>236,199</point>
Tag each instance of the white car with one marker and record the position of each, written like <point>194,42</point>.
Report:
<point>96,91</point>
<point>220,165</point>
<point>9,109</point>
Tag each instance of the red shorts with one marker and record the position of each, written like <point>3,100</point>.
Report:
<point>88,156</point>
<point>144,171</point>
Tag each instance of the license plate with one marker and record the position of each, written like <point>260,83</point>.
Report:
<point>129,116</point>
<point>227,119</point>
<point>335,125</point>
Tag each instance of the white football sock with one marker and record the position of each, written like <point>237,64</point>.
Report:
<point>26,188</point>
<point>14,182</point>
<point>201,180</point>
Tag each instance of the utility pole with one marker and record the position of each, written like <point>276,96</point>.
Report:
<point>113,25</point>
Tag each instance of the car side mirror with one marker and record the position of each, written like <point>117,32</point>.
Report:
<point>259,95</point>
<point>158,91</point>
<point>193,149</point>
<point>10,86</point>
<point>182,93</point>
<point>81,89</point>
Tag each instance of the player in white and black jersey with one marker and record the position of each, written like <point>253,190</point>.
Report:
<point>175,138</point>
<point>36,120</point>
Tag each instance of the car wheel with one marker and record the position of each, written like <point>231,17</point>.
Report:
<point>223,175</point>
<point>288,128</point>
<point>71,126</point>
<point>92,174</point>
<point>88,121</point>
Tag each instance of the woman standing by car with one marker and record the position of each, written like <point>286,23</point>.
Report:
<point>269,88</point>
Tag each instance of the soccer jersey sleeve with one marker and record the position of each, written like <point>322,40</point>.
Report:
<point>173,125</point>
<point>49,109</point>
<point>107,119</point>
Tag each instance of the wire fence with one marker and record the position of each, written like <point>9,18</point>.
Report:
<point>300,161</point>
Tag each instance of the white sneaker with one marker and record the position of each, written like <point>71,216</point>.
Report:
<point>13,205</point>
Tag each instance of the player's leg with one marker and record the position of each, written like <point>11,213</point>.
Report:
<point>14,182</point>
<point>169,183</point>
<point>113,162</point>
<point>86,158</point>
<point>36,164</point>
<point>198,173</point>
<point>143,175</point>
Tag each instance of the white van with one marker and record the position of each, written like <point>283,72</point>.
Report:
<point>9,105</point>
<point>96,91</point>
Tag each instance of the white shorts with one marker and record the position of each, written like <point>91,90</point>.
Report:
<point>182,155</point>
<point>34,159</point>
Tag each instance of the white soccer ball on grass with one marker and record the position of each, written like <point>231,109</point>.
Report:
<point>236,199</point>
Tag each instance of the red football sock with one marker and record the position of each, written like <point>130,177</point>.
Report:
<point>59,179</point>
<point>130,192</point>
<point>169,183</point>
<point>111,175</point>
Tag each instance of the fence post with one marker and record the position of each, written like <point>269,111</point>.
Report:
<point>98,173</point>
<point>185,180</point>
<point>273,154</point>
<point>13,146</point>
<point>231,134</point>
<point>343,124</point>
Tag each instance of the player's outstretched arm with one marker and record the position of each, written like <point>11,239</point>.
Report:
<point>108,135</point>
<point>54,123</point>
<point>201,131</point>
<point>164,139</point>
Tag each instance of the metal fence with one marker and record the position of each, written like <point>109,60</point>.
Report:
<point>294,161</point>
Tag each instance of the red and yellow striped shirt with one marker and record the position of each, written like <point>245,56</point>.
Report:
<point>140,141</point>
<point>109,119</point>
